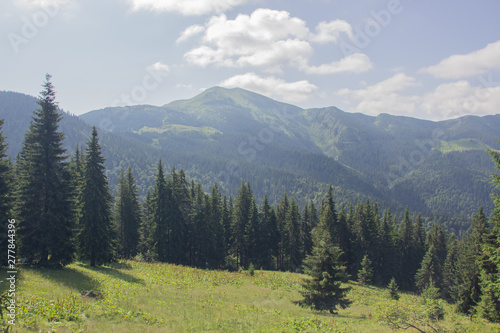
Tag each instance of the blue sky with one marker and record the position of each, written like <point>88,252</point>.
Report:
<point>426,59</point>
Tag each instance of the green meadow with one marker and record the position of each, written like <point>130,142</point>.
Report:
<point>154,297</point>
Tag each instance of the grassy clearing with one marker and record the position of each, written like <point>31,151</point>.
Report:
<point>141,297</point>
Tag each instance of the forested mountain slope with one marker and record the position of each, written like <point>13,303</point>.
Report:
<point>225,135</point>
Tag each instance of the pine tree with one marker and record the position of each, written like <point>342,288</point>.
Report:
<point>293,243</point>
<point>97,238</point>
<point>215,221</point>
<point>146,229</point>
<point>269,236</point>
<point>450,268</point>
<point>489,306</point>
<point>46,210</point>
<point>393,289</point>
<point>324,291</point>
<point>127,215</point>
<point>467,292</point>
<point>283,238</point>
<point>160,216</point>
<point>305,232</point>
<point>432,264</point>
<point>387,265</point>
<point>406,248</point>
<point>365,274</point>
<point>241,220</point>
<point>6,192</point>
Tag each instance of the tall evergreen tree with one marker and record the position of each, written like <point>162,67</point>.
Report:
<point>127,215</point>
<point>160,216</point>
<point>283,238</point>
<point>269,237</point>
<point>294,246</point>
<point>97,238</point>
<point>146,229</point>
<point>386,267</point>
<point>406,248</point>
<point>489,305</point>
<point>466,293</point>
<point>46,210</point>
<point>305,232</point>
<point>216,220</point>
<point>365,274</point>
<point>324,291</point>
<point>241,217</point>
<point>432,264</point>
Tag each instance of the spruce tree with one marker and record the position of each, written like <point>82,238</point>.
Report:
<point>324,291</point>
<point>269,236</point>
<point>146,229</point>
<point>127,215</point>
<point>393,289</point>
<point>294,245</point>
<point>365,274</point>
<point>160,216</point>
<point>467,292</point>
<point>281,252</point>
<point>97,238</point>
<point>489,306</point>
<point>240,226</point>
<point>46,210</point>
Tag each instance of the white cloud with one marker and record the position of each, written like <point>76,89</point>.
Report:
<point>383,97</point>
<point>273,87</point>
<point>159,67</point>
<point>460,98</point>
<point>327,32</point>
<point>466,65</point>
<point>190,32</point>
<point>446,101</point>
<point>354,63</point>
<point>270,40</point>
<point>186,7</point>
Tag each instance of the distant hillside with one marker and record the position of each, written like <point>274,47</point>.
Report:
<point>225,135</point>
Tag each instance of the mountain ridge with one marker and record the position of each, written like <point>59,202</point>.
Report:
<point>225,135</point>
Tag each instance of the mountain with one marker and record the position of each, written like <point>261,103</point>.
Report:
<point>226,135</point>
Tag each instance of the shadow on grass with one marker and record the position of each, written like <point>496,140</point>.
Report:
<point>68,277</point>
<point>4,283</point>
<point>113,272</point>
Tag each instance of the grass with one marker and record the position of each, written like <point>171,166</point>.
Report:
<point>143,297</point>
<point>461,145</point>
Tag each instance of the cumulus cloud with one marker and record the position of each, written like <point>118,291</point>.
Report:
<point>269,40</point>
<point>460,98</point>
<point>159,67</point>
<point>446,101</point>
<point>273,87</point>
<point>354,63</point>
<point>186,7</point>
<point>327,32</point>
<point>190,32</point>
<point>383,97</point>
<point>466,65</point>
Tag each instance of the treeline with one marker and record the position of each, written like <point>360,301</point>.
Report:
<point>64,211</point>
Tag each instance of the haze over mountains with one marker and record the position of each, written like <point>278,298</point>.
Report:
<point>225,135</point>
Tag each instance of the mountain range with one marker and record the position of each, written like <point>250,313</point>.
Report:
<point>226,135</point>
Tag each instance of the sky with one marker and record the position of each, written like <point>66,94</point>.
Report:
<point>420,58</point>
